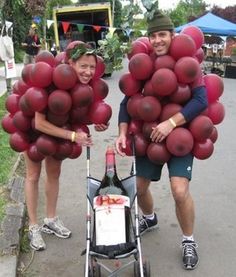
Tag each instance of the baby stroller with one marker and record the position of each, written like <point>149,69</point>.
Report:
<point>95,253</point>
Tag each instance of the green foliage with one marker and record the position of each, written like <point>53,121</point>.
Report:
<point>7,158</point>
<point>88,1</point>
<point>24,242</point>
<point>35,7</point>
<point>117,13</point>
<point>229,13</point>
<point>233,51</point>
<point>3,202</point>
<point>7,155</point>
<point>112,51</point>
<point>19,55</point>
<point>140,24</point>
<point>187,10</point>
<point>150,7</point>
<point>14,11</point>
<point>128,15</point>
<point>54,3</point>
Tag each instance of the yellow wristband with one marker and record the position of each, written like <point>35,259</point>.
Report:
<point>172,122</point>
<point>73,135</point>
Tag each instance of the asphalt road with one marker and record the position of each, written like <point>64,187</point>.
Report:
<point>212,187</point>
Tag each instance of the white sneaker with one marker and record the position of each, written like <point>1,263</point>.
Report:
<point>55,226</point>
<point>36,241</point>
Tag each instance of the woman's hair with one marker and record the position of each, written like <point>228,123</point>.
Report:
<point>77,48</point>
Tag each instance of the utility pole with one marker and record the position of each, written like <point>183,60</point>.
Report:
<point>113,11</point>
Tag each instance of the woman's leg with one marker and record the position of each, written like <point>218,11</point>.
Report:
<point>52,223</point>
<point>33,170</point>
<point>53,170</point>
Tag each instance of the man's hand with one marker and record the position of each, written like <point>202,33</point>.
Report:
<point>119,144</point>
<point>101,127</point>
<point>161,131</point>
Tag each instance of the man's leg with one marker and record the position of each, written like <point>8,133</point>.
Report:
<point>26,59</point>
<point>144,195</point>
<point>185,215</point>
<point>145,201</point>
<point>183,203</point>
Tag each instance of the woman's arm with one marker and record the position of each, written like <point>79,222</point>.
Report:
<point>48,128</point>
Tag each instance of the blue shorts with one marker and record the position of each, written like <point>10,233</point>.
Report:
<point>177,166</point>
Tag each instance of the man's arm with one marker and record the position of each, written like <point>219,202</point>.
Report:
<point>123,121</point>
<point>193,108</point>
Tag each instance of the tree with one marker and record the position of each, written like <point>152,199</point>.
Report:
<point>229,13</point>
<point>35,7</point>
<point>186,11</point>
<point>14,11</point>
<point>129,13</point>
<point>54,3</point>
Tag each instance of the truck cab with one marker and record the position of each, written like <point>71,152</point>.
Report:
<point>85,22</point>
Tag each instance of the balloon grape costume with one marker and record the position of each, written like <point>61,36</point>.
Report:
<point>51,86</point>
<point>158,88</point>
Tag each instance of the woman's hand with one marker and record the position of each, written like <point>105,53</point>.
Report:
<point>83,138</point>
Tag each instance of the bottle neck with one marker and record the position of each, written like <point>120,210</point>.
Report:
<point>110,164</point>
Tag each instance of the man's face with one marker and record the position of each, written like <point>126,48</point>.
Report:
<point>161,41</point>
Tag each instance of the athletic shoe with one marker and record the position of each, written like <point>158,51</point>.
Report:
<point>146,224</point>
<point>189,254</point>
<point>55,226</point>
<point>36,241</point>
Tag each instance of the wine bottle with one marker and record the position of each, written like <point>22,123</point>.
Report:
<point>112,206</point>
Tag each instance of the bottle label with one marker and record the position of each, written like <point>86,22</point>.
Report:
<point>110,219</point>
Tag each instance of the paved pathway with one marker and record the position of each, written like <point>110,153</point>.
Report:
<point>213,188</point>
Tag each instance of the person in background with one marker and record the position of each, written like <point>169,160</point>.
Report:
<point>53,49</point>
<point>64,41</point>
<point>161,33</point>
<point>84,62</point>
<point>31,45</point>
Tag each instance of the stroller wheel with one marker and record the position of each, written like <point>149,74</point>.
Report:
<point>146,269</point>
<point>136,269</point>
<point>94,271</point>
<point>97,270</point>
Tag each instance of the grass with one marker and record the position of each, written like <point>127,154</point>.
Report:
<point>7,159</point>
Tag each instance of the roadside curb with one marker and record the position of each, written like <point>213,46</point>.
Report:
<point>11,226</point>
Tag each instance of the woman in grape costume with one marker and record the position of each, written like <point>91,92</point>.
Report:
<point>84,61</point>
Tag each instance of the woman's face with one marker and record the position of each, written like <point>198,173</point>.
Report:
<point>161,41</point>
<point>85,68</point>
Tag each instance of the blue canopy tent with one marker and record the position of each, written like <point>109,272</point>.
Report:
<point>212,24</point>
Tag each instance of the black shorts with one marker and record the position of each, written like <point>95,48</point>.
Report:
<point>177,166</point>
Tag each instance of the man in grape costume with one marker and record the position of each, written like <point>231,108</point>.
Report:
<point>161,34</point>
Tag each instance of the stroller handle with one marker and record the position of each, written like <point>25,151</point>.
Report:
<point>88,160</point>
<point>88,153</point>
<point>133,170</point>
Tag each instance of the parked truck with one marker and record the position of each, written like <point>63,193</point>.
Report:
<point>85,22</point>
